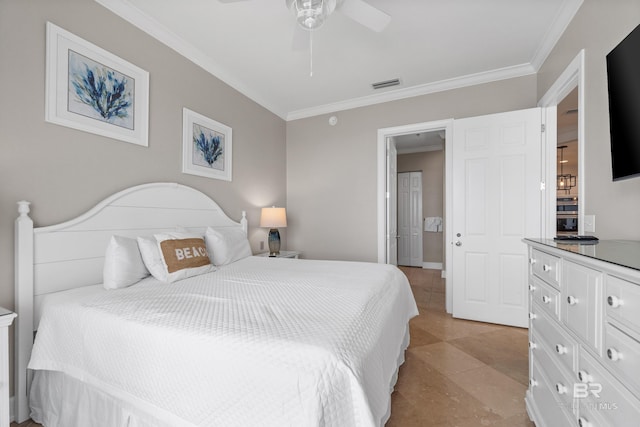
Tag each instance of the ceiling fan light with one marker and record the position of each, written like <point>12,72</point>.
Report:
<point>311,14</point>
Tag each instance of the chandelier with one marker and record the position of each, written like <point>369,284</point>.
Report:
<point>564,181</point>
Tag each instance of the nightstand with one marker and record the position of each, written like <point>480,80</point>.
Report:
<point>282,254</point>
<point>6,319</point>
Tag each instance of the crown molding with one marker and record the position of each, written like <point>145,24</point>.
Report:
<point>409,92</point>
<point>558,27</point>
<point>139,19</point>
<point>136,17</point>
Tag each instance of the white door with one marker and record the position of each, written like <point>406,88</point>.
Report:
<point>410,219</point>
<point>496,203</point>
<point>392,203</point>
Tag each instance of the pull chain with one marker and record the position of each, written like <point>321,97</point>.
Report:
<point>310,53</point>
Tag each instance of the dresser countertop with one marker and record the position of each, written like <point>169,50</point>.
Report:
<point>625,253</point>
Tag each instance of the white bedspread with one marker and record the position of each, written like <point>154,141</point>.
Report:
<point>261,342</point>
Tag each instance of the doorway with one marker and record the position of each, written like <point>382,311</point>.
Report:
<point>441,132</point>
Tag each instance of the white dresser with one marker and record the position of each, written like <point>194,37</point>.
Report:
<point>584,334</point>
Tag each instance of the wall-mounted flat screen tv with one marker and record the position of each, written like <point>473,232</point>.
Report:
<point>623,75</point>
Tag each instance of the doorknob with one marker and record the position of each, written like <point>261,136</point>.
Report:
<point>458,243</point>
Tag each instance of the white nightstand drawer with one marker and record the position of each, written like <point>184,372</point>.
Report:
<point>604,395</point>
<point>546,267</point>
<point>554,339</point>
<point>622,355</point>
<point>622,302</point>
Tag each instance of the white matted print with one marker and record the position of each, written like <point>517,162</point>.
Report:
<point>206,146</point>
<point>90,89</point>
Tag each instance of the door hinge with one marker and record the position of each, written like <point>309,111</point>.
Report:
<point>387,195</point>
<point>543,186</point>
<point>543,128</point>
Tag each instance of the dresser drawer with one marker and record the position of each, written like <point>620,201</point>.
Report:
<point>546,267</point>
<point>560,380</point>
<point>622,302</point>
<point>581,302</point>
<point>622,356</point>
<point>600,396</point>
<point>550,407</point>
<point>546,296</point>
<point>556,341</point>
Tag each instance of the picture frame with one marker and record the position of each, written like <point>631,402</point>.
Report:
<point>207,146</point>
<point>92,90</point>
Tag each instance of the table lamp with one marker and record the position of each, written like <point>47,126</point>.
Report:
<point>273,218</point>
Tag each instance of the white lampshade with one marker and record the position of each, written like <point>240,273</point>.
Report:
<point>273,217</point>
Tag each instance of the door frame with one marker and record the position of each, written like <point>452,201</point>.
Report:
<point>571,77</point>
<point>445,125</point>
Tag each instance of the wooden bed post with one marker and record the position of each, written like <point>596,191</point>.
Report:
<point>23,333</point>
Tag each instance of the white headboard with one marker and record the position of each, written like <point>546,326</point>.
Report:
<point>71,254</point>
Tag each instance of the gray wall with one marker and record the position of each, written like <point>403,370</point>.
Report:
<point>431,164</point>
<point>332,170</point>
<point>598,27</point>
<point>64,172</point>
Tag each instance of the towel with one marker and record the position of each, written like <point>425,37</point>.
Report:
<point>433,224</point>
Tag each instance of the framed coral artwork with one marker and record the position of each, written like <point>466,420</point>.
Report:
<point>206,146</point>
<point>92,90</point>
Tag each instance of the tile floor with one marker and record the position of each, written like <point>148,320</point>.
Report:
<point>457,372</point>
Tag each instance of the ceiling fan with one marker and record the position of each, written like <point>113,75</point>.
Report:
<point>311,14</point>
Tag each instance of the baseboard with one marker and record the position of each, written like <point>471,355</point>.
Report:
<point>432,265</point>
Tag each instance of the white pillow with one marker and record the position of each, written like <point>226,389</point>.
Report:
<point>123,265</point>
<point>175,256</point>
<point>227,244</point>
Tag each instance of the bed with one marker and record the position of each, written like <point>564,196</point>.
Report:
<point>253,341</point>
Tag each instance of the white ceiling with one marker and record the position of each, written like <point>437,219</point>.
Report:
<point>430,45</point>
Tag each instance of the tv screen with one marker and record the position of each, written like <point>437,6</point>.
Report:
<point>623,74</point>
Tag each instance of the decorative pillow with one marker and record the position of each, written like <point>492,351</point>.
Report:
<point>123,265</point>
<point>175,256</point>
<point>227,244</point>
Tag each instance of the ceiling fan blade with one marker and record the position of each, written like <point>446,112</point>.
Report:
<point>300,40</point>
<point>365,14</point>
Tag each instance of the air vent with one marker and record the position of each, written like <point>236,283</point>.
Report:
<point>386,83</point>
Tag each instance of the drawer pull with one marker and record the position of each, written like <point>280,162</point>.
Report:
<point>546,299</point>
<point>533,382</point>
<point>532,316</point>
<point>582,422</point>
<point>532,288</point>
<point>584,377</point>
<point>546,267</point>
<point>613,354</point>
<point>532,261</point>
<point>572,300</point>
<point>561,389</point>
<point>560,349</point>
<point>532,345</point>
<point>614,301</point>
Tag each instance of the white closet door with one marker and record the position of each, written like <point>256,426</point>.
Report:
<point>392,202</point>
<point>496,202</point>
<point>410,219</point>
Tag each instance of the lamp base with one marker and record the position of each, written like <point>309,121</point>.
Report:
<point>274,242</point>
